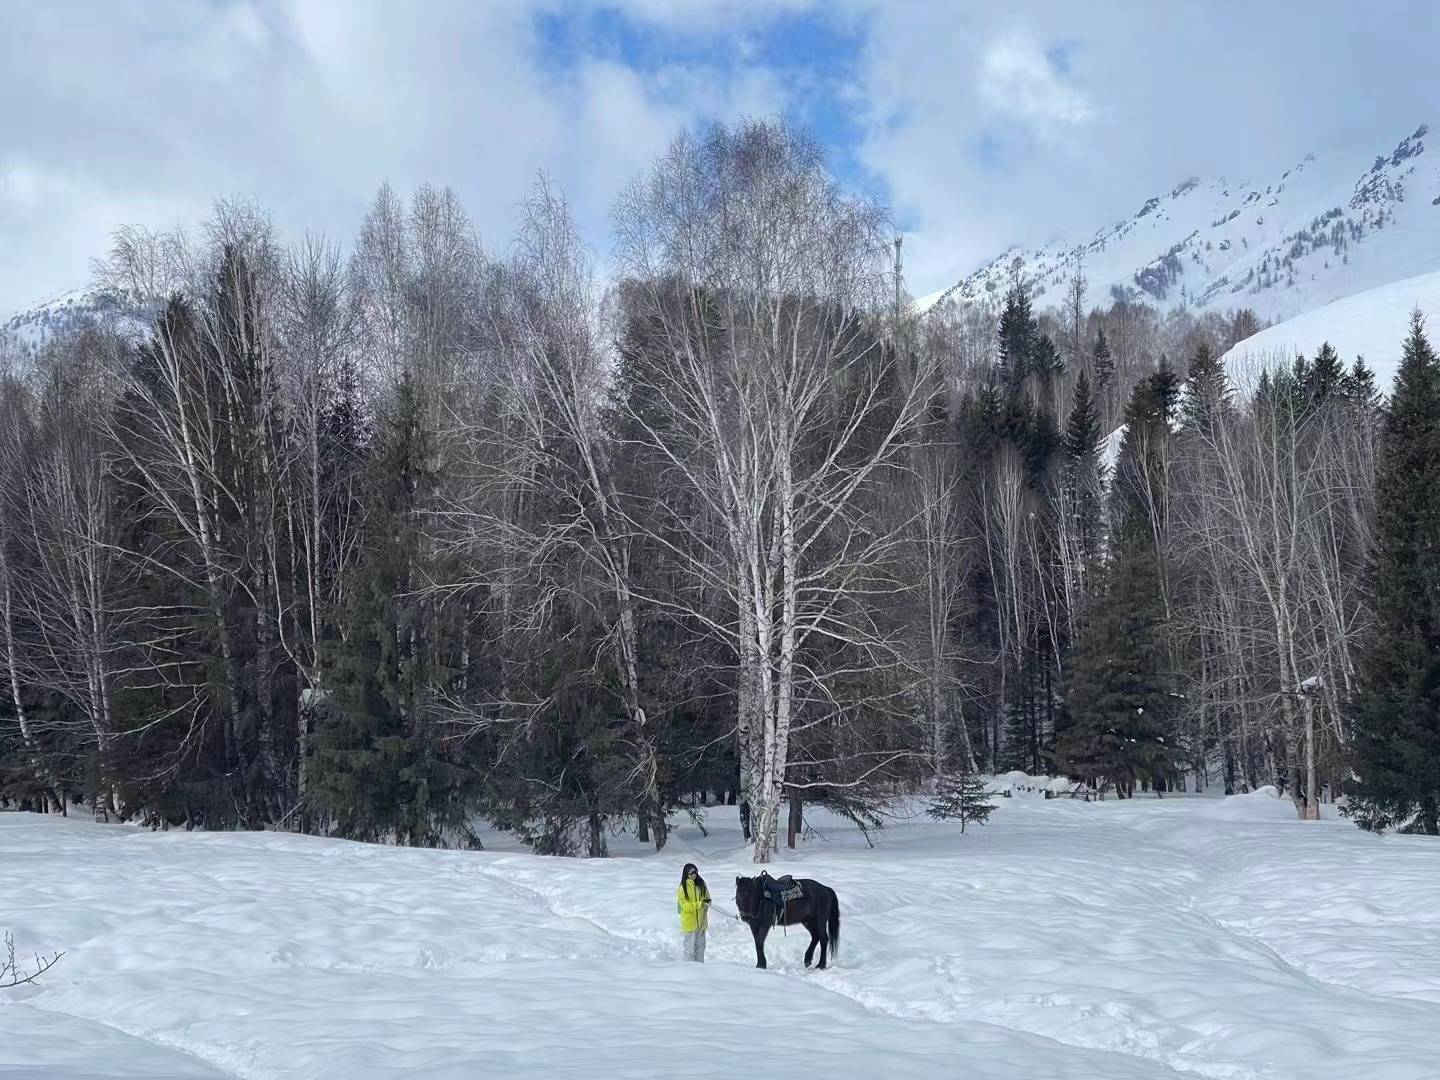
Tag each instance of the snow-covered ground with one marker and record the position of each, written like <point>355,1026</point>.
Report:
<point>1189,936</point>
<point>1372,324</point>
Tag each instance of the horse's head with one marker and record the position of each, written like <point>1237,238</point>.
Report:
<point>749,895</point>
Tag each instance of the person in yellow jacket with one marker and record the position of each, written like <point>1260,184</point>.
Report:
<point>692,901</point>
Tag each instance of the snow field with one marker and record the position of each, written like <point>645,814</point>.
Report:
<point>1372,324</point>
<point>1180,937</point>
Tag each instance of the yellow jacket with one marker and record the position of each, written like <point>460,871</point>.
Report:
<point>692,902</point>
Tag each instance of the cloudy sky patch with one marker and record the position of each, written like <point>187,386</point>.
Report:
<point>981,124</point>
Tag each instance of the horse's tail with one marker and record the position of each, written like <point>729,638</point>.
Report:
<point>834,925</point>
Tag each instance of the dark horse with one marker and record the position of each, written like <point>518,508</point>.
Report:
<point>817,908</point>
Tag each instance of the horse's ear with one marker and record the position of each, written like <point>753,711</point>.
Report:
<point>738,879</point>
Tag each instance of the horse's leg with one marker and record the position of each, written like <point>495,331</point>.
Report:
<point>759,929</point>
<point>814,937</point>
<point>822,932</point>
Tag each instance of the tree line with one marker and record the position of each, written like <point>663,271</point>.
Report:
<point>385,544</point>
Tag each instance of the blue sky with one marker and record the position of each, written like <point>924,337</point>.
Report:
<point>812,53</point>
<point>980,124</point>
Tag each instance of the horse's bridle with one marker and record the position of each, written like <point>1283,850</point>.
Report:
<point>756,913</point>
<point>759,904</point>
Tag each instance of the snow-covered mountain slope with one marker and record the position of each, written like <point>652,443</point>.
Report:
<point>1184,937</point>
<point>1372,324</point>
<point>29,330</point>
<point>1328,227</point>
<point>35,325</point>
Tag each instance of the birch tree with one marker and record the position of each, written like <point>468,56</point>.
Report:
<point>317,340</point>
<point>1276,530</point>
<point>757,275</point>
<point>535,513</point>
<point>15,426</point>
<point>199,434</point>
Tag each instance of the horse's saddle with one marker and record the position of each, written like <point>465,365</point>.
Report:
<point>783,889</point>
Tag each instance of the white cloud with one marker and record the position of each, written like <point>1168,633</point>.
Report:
<point>1016,76</point>
<point>988,124</point>
<point>706,15</point>
<point>21,186</point>
<point>146,114</point>
<point>984,141</point>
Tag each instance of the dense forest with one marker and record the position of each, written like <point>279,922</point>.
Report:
<point>386,542</point>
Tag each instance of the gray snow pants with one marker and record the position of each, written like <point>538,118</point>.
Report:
<point>692,946</point>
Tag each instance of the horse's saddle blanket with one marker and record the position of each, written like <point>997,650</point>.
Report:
<point>786,889</point>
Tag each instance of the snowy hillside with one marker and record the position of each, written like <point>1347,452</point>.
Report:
<point>1328,227</point>
<point>32,328</point>
<point>1236,943</point>
<point>1372,324</point>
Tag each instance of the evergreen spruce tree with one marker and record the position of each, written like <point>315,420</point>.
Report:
<point>1158,400</point>
<point>1326,377</point>
<point>1083,468</point>
<point>1359,386</point>
<point>962,797</point>
<point>1083,489</point>
<point>379,769</point>
<point>1294,385</point>
<point>1041,442</point>
<point>1117,698</point>
<point>979,434</point>
<point>1102,361</point>
<point>1207,393</point>
<point>1029,364</point>
<point>577,741</point>
<point>1397,722</point>
<point>1045,360</point>
<point>1265,390</point>
<point>1245,324</point>
<point>1018,333</point>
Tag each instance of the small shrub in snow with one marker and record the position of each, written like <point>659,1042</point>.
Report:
<point>963,797</point>
<point>12,974</point>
